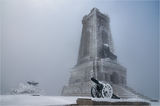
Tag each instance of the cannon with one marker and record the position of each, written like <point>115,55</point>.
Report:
<point>102,90</point>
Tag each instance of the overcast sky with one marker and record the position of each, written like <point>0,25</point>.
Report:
<point>40,41</point>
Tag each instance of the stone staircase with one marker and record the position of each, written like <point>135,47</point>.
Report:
<point>122,92</point>
<point>127,92</point>
<point>139,94</point>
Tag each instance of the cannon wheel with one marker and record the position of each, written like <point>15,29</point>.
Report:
<point>107,91</point>
<point>95,93</point>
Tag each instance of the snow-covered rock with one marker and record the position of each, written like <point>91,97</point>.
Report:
<point>30,87</point>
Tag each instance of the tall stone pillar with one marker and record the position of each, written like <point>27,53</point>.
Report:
<point>96,36</point>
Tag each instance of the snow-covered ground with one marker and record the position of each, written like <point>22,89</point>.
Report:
<point>27,100</point>
<point>129,100</point>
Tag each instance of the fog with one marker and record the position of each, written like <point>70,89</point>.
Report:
<point>40,41</point>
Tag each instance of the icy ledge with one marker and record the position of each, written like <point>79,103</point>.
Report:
<point>120,100</point>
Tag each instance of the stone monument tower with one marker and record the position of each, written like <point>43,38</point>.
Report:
<point>97,59</point>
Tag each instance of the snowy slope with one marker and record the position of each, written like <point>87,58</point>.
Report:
<point>27,100</point>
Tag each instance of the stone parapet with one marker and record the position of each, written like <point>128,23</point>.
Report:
<point>90,102</point>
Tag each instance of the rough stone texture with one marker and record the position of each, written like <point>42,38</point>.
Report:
<point>89,102</point>
<point>97,59</point>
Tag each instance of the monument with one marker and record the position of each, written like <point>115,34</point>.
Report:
<point>97,59</point>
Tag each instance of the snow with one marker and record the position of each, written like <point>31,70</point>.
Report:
<point>128,100</point>
<point>155,103</point>
<point>27,88</point>
<point>120,100</point>
<point>28,100</point>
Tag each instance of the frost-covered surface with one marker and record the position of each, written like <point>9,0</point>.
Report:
<point>27,100</point>
<point>127,100</point>
<point>120,100</point>
<point>155,103</point>
<point>27,88</point>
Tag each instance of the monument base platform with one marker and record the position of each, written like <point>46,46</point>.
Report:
<point>110,102</point>
<point>121,91</point>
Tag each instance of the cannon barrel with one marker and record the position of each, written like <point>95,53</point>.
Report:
<point>95,81</point>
